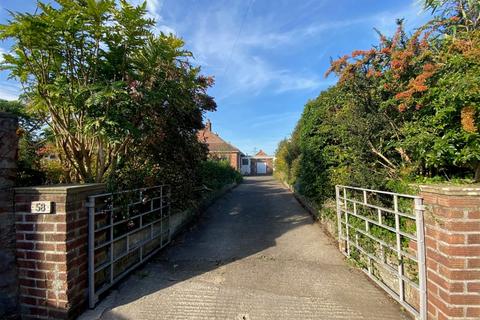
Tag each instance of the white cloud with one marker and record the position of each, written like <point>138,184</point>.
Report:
<point>154,9</point>
<point>275,118</point>
<point>9,90</point>
<point>232,54</point>
<point>237,52</point>
<point>383,21</point>
<point>288,83</point>
<point>165,29</point>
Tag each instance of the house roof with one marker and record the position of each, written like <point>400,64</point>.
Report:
<point>213,140</point>
<point>262,155</point>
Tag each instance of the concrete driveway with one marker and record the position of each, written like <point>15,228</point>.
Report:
<point>255,254</point>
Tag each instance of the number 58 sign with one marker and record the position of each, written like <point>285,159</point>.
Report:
<point>41,207</point>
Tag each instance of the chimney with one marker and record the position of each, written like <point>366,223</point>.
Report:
<point>208,125</point>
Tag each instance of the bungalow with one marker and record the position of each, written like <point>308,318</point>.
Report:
<point>219,148</point>
<point>259,164</point>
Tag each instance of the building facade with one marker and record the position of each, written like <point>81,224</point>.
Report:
<point>257,165</point>
<point>219,148</point>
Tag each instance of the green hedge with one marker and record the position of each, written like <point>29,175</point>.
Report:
<point>216,174</point>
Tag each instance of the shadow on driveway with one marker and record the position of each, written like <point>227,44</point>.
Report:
<point>255,254</point>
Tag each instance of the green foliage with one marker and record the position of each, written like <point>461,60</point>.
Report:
<point>466,13</point>
<point>120,104</point>
<point>115,96</point>
<point>330,146</point>
<point>29,169</point>
<point>216,174</point>
<point>401,112</point>
<point>443,136</point>
<point>286,162</point>
<point>406,110</point>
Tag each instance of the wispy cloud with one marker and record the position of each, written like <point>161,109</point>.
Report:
<point>383,21</point>
<point>235,45</point>
<point>154,10</point>
<point>413,16</point>
<point>288,83</point>
<point>271,119</point>
<point>9,90</point>
<point>233,54</point>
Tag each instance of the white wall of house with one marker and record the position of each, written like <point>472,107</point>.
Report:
<point>245,165</point>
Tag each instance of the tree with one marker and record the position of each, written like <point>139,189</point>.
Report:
<point>30,139</point>
<point>405,109</point>
<point>426,86</point>
<point>465,13</point>
<point>104,83</point>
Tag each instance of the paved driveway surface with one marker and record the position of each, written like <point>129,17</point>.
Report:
<point>255,254</point>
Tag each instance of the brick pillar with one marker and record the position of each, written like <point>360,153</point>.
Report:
<point>8,166</point>
<point>452,222</point>
<point>52,251</point>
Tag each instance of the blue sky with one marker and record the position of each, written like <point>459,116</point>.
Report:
<point>268,57</point>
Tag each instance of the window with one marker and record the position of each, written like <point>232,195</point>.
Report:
<point>244,162</point>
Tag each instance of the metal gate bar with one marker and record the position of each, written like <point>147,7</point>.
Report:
<point>124,229</point>
<point>387,212</point>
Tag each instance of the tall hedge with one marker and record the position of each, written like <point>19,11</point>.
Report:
<point>404,110</point>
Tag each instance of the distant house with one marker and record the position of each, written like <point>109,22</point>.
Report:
<point>48,152</point>
<point>219,148</point>
<point>259,164</point>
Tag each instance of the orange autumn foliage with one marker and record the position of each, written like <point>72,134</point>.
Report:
<point>468,116</point>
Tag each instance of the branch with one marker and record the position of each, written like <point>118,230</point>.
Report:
<point>378,153</point>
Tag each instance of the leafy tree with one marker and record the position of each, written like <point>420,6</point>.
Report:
<point>465,13</point>
<point>106,86</point>
<point>402,110</point>
<point>286,160</point>
<point>30,139</point>
<point>431,79</point>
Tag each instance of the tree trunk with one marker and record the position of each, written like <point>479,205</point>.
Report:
<point>477,173</point>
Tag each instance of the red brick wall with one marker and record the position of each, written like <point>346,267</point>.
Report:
<point>52,251</point>
<point>269,166</point>
<point>452,239</point>
<point>253,165</point>
<point>234,161</point>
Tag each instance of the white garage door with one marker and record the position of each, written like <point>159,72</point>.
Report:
<point>261,168</point>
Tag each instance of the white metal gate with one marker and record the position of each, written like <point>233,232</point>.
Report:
<point>384,233</point>
<point>124,229</point>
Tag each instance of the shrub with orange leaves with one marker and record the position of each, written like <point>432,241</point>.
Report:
<point>405,109</point>
<point>431,79</point>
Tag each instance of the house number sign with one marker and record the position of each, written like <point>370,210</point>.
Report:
<point>41,207</point>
